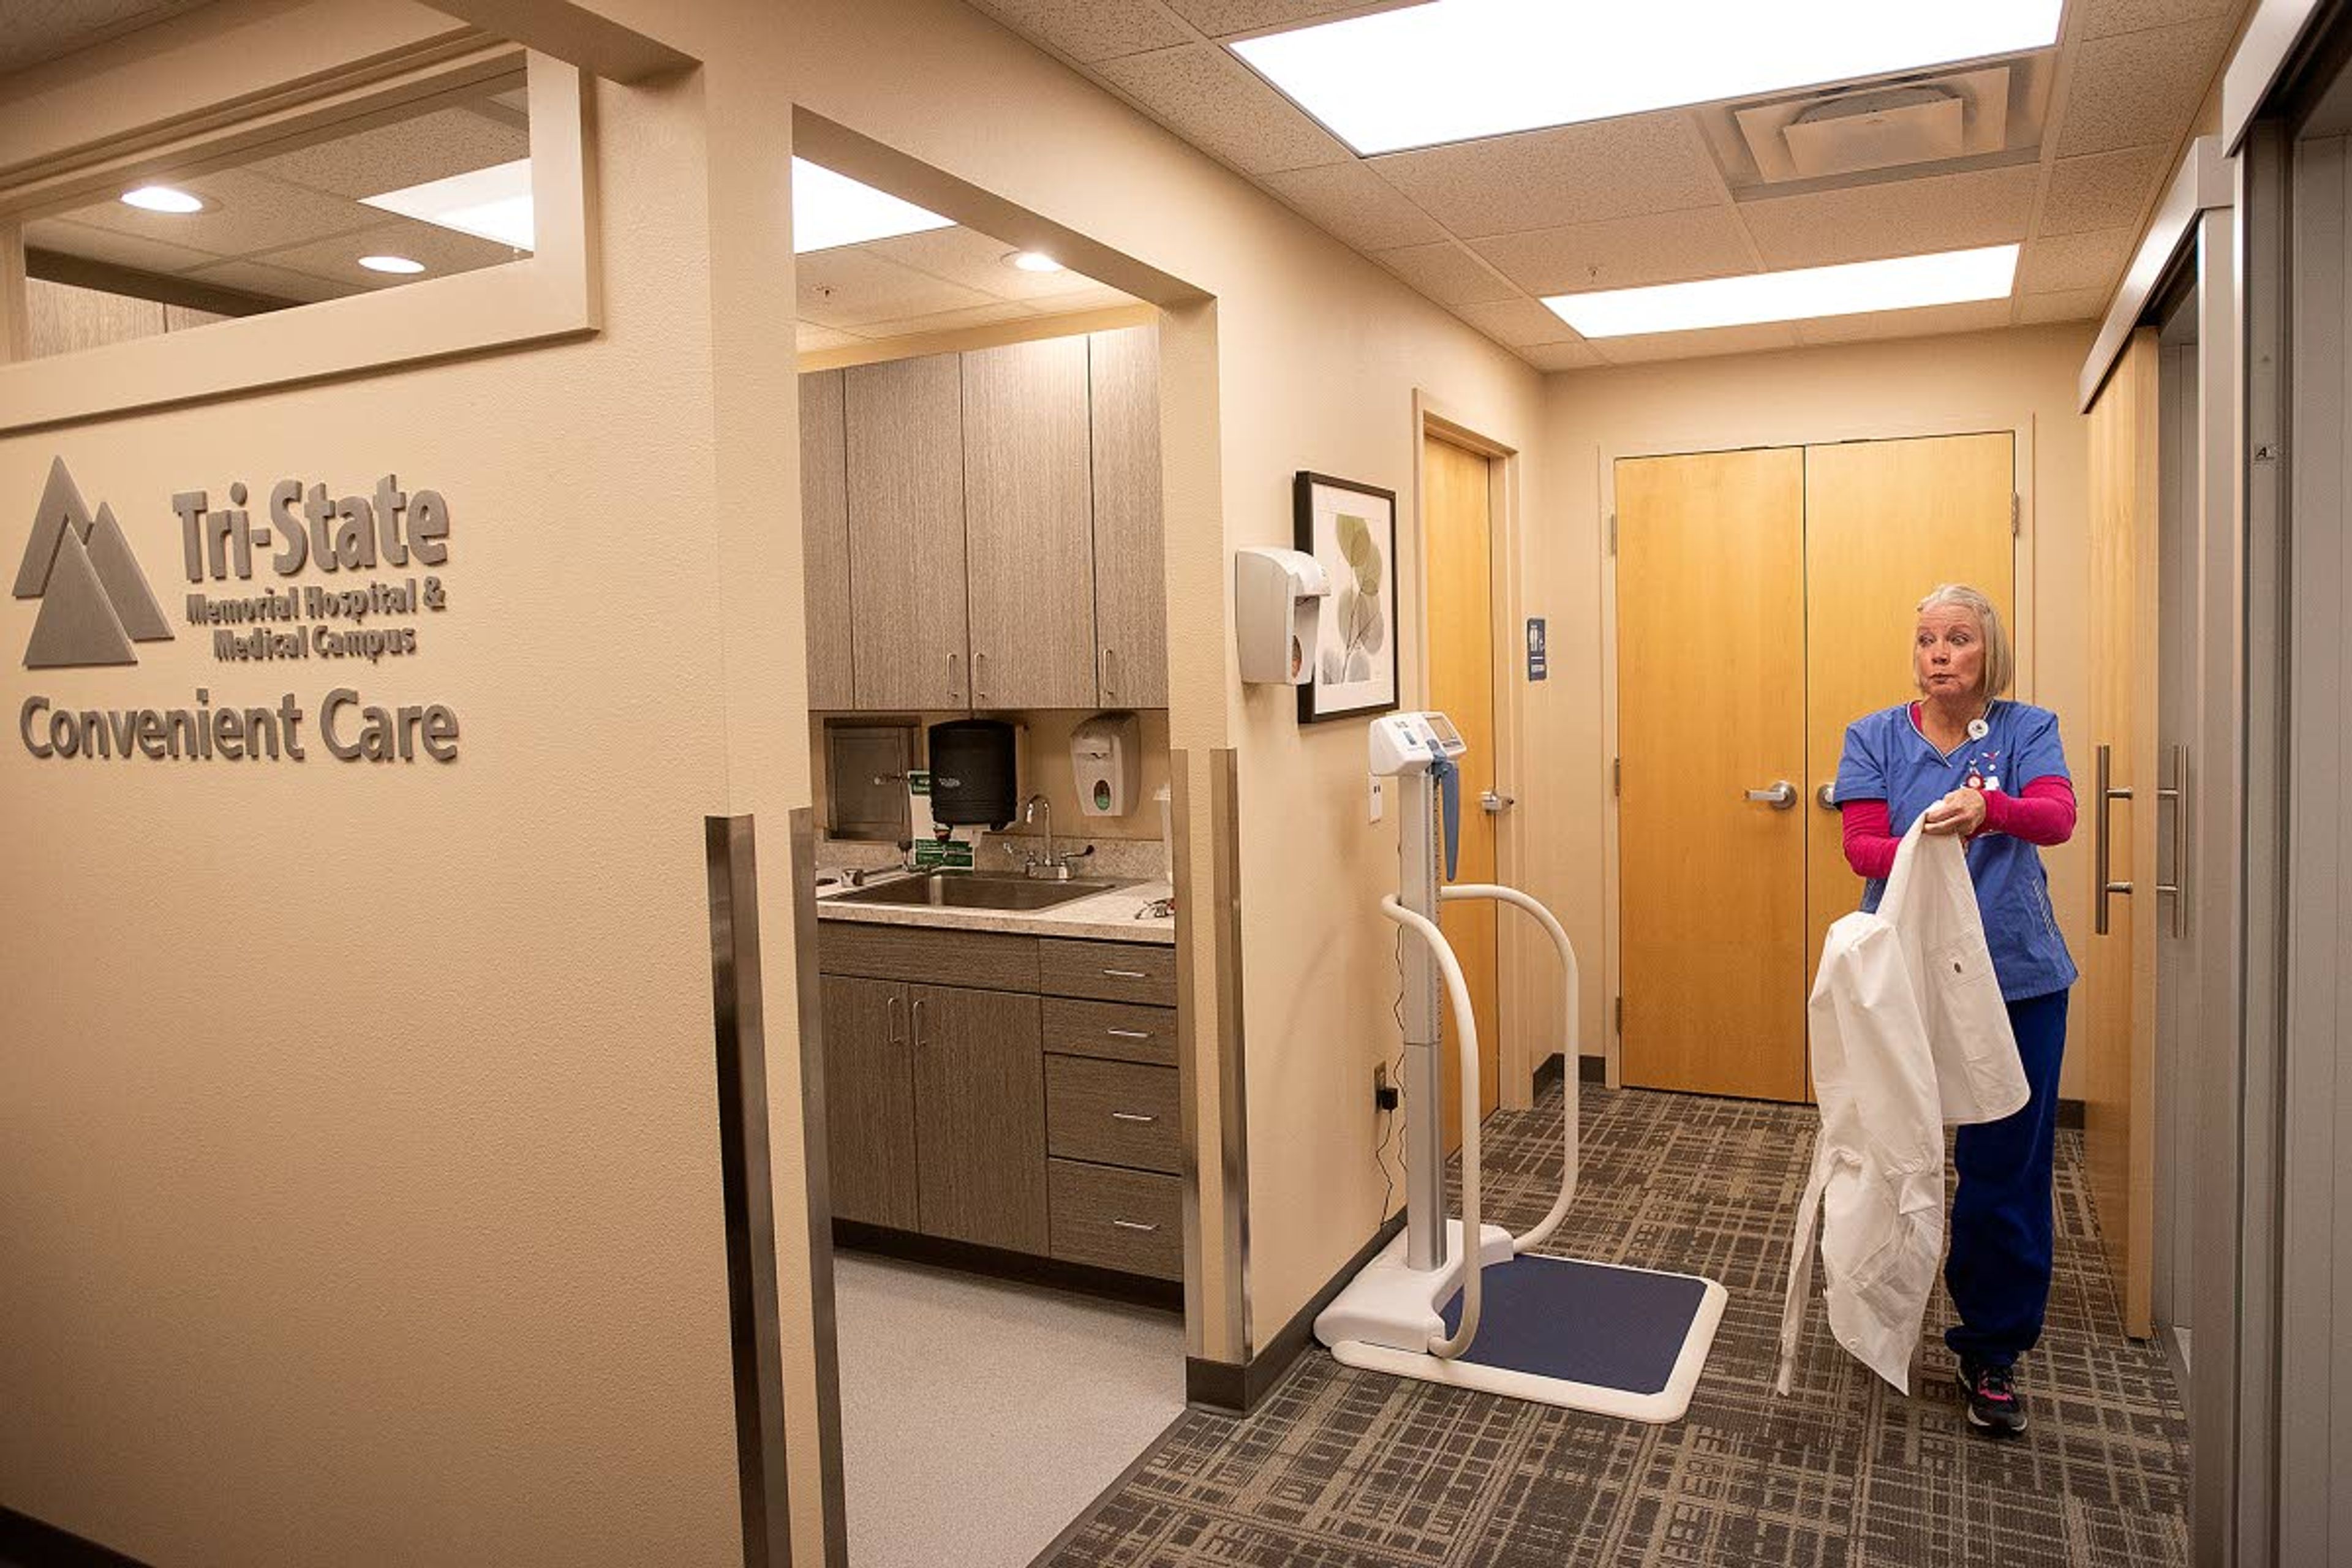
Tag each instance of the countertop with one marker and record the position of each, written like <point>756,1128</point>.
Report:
<point>1107,916</point>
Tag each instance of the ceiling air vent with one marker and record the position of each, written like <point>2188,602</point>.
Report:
<point>1879,127</point>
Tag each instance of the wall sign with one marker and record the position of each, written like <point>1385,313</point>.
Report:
<point>1538,662</point>
<point>96,605</point>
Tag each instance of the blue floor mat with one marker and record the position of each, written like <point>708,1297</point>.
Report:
<point>1581,1323</point>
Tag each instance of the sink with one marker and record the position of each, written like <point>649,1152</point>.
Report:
<point>969,890</point>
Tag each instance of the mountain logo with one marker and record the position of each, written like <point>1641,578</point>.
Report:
<point>95,602</point>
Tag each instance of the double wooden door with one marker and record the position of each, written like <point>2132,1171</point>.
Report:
<point>1765,599</point>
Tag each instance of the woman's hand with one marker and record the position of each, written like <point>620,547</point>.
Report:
<point>1957,814</point>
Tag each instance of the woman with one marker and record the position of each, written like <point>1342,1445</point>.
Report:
<point>1989,771</point>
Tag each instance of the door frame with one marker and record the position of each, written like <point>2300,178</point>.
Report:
<point>2016,424</point>
<point>1515,963</point>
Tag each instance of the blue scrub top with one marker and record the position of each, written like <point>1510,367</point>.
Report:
<point>1886,758</point>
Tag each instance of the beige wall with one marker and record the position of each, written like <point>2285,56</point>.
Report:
<point>1985,380</point>
<point>357,1123</point>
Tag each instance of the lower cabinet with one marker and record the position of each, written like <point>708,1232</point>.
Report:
<point>989,1114</point>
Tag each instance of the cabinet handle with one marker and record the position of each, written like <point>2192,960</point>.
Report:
<point>1134,1224</point>
<point>918,1023</point>
<point>2102,837</point>
<point>980,677</point>
<point>1125,975</point>
<point>1128,1034</point>
<point>1131,1116</point>
<point>1108,685</point>
<point>955,677</point>
<point>890,1022</point>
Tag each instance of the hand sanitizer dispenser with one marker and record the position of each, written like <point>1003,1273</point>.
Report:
<point>1278,613</point>
<point>1106,754</point>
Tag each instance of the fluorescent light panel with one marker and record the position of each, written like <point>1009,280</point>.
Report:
<point>1454,69</point>
<point>830,210</point>
<point>492,204</point>
<point>1905,283</point>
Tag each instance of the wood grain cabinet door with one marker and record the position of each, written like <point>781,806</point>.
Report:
<point>904,466</point>
<point>869,1101</point>
<point>1131,594</point>
<point>1029,525</point>
<point>825,529</point>
<point>980,1116</point>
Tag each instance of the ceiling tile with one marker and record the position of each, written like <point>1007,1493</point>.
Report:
<point>1090,30</point>
<point>2139,90</point>
<point>1650,346</point>
<point>250,212</point>
<point>2071,305</point>
<point>70,238</point>
<point>1448,273</point>
<point>1359,207</point>
<point>1223,18</point>
<point>1982,316</point>
<point>1220,105</point>
<point>1894,218</point>
<point>1576,355</point>
<point>2059,263</point>
<point>809,338</point>
<point>976,261</point>
<point>849,288</point>
<point>2105,190</point>
<point>405,153</point>
<point>2104,18</point>
<point>1622,253</point>
<point>41,30</point>
<point>951,320</point>
<point>272,283</point>
<point>1545,179</point>
<point>442,250</point>
<point>1517,324</point>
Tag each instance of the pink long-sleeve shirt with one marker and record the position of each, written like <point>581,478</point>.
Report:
<point>2043,814</point>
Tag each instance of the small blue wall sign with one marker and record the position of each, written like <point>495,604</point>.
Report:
<point>1538,664</point>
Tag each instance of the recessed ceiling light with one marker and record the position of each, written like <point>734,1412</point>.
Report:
<point>163,199</point>
<point>400,264</point>
<point>830,210</point>
<point>1452,69</point>
<point>492,204</point>
<point>1033,261</point>
<point>1904,283</point>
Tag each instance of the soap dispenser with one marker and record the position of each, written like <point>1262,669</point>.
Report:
<point>1106,754</point>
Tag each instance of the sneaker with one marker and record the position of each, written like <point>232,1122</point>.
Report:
<point>1994,1405</point>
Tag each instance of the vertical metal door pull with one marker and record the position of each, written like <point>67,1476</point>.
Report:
<point>1108,688</point>
<point>2177,792</point>
<point>918,1010</point>
<point>955,682</point>
<point>2103,837</point>
<point>890,1021</point>
<point>979,674</point>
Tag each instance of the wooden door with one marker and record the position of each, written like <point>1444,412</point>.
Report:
<point>1710,682</point>
<point>2115,1003</point>
<point>1458,539</point>
<point>824,542</point>
<point>1130,595</point>
<point>1886,522</point>
<point>980,1116</point>
<point>1029,525</point>
<point>904,464</point>
<point>869,1101</point>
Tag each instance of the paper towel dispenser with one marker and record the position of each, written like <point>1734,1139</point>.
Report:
<point>1278,613</point>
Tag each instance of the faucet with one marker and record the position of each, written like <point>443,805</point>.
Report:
<point>1047,865</point>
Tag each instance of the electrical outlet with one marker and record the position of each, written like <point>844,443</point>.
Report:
<point>1380,799</point>
<point>1384,1094</point>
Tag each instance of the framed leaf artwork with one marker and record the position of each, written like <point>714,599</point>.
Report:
<point>1351,529</point>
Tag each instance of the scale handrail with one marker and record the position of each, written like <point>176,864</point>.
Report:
<point>1465,1032</point>
<point>1570,1063</point>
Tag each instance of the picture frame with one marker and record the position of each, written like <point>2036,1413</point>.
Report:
<point>1350,528</point>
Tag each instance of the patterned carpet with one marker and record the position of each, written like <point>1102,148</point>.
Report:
<point>1349,1468</point>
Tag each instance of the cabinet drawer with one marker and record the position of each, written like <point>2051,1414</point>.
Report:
<point>986,960</point>
<point>1113,1113</point>
<point>1116,1219</point>
<point>1111,970</point>
<point>1113,1030</point>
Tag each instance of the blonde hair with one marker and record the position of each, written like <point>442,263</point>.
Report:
<point>1999,662</point>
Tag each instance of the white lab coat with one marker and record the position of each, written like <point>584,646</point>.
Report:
<point>1908,1033</point>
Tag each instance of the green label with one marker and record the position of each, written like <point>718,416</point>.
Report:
<point>955,855</point>
<point>918,780</point>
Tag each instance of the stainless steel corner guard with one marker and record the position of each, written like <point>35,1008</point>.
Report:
<point>744,1183</point>
<point>816,1153</point>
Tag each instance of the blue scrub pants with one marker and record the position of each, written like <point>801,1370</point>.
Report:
<point>1998,1268</point>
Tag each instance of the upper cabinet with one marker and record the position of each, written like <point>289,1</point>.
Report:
<point>905,465</point>
<point>1130,598</point>
<point>825,522</point>
<point>983,528</point>
<point>1029,526</point>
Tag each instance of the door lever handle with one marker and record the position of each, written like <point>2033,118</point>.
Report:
<point>1494,804</point>
<point>1780,795</point>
